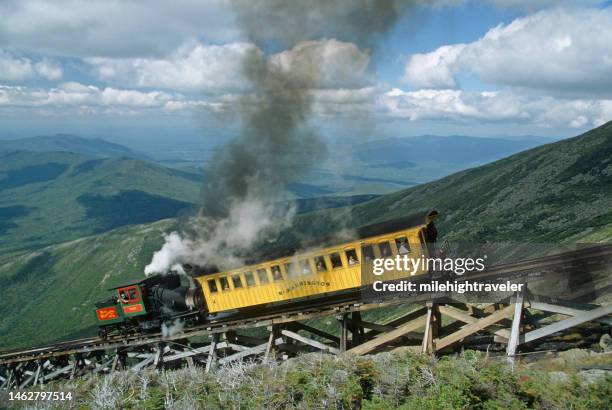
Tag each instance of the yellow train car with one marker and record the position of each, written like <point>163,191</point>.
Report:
<point>318,273</point>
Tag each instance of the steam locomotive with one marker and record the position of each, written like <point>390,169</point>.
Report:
<point>148,304</point>
<point>296,278</point>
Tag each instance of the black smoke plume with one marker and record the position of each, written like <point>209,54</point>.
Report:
<point>245,196</point>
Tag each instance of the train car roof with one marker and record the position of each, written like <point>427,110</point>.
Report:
<point>151,280</point>
<point>363,232</point>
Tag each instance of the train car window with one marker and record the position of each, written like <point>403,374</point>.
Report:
<point>320,264</point>
<point>212,286</point>
<point>262,275</point>
<point>236,281</point>
<point>133,295</point>
<point>403,247</point>
<point>305,267</point>
<point>224,283</point>
<point>351,257</point>
<point>385,249</point>
<point>291,269</point>
<point>367,252</point>
<point>276,273</point>
<point>250,279</point>
<point>335,259</point>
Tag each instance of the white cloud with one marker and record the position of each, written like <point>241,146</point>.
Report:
<point>112,28</point>
<point>90,99</point>
<point>49,69</point>
<point>16,68</point>
<point>504,106</point>
<point>213,68</point>
<point>501,107</point>
<point>196,68</point>
<point>433,70</point>
<point>558,50</point>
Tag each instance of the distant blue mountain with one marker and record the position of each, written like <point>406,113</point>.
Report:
<point>94,147</point>
<point>455,149</point>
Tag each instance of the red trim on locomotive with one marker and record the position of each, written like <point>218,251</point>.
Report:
<point>107,313</point>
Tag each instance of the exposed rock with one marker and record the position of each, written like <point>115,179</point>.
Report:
<point>605,342</point>
<point>593,375</point>
<point>558,376</point>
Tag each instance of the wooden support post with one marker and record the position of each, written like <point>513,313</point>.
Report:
<point>212,352</point>
<point>115,362</point>
<point>9,379</point>
<point>357,331</point>
<point>38,369</point>
<point>271,345</point>
<point>343,319</point>
<point>432,329</point>
<point>75,366</point>
<point>158,362</point>
<point>516,327</point>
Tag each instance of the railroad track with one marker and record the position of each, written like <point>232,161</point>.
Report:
<point>601,254</point>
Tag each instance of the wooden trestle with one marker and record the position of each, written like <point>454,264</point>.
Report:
<point>429,328</point>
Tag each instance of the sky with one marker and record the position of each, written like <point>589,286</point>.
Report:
<point>171,71</point>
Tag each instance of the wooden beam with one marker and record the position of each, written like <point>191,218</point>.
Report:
<point>187,353</point>
<point>57,372</point>
<point>244,353</point>
<point>310,342</point>
<point>568,311</point>
<point>516,326</point>
<point>566,324</point>
<point>387,337</point>
<point>413,314</point>
<point>314,331</point>
<point>474,327</point>
<point>376,326</point>
<point>141,365</point>
<point>466,318</point>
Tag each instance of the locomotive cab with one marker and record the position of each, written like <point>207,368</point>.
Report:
<point>146,304</point>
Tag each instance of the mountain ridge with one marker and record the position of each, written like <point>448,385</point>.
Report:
<point>558,193</point>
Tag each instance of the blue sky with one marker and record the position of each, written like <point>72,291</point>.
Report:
<point>170,72</point>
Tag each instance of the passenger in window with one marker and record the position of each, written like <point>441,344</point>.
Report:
<point>402,246</point>
<point>123,297</point>
<point>276,273</point>
<point>320,264</point>
<point>351,256</point>
<point>224,284</point>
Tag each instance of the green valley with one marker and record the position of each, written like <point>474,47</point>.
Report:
<point>559,192</point>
